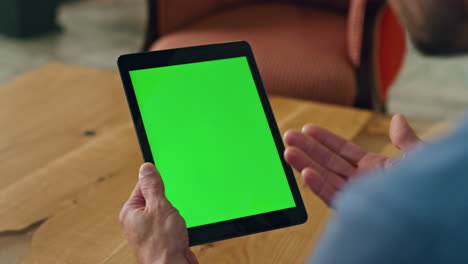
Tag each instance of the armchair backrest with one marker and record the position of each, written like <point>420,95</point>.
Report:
<point>172,14</point>
<point>339,5</point>
<point>369,34</point>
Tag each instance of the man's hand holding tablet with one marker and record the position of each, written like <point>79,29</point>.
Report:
<point>154,228</point>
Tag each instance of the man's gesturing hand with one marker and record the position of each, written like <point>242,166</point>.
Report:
<point>327,161</point>
<point>154,228</point>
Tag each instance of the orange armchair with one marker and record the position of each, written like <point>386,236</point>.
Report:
<point>343,51</point>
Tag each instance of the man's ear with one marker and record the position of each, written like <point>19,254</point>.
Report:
<point>436,27</point>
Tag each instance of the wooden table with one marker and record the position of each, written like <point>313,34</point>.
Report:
<point>69,159</point>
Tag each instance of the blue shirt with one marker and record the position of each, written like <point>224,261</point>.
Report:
<point>415,212</point>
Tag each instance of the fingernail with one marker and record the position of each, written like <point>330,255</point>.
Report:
<point>146,169</point>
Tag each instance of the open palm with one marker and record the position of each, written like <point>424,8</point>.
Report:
<point>327,161</point>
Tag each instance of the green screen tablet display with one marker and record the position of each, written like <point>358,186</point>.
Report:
<point>211,141</point>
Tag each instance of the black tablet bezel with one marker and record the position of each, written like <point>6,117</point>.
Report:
<point>235,227</point>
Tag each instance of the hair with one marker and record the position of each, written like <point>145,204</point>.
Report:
<point>436,27</point>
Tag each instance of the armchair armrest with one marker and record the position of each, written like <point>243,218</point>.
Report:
<point>362,16</point>
<point>355,30</point>
<point>376,48</point>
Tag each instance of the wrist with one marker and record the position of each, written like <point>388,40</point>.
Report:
<point>149,256</point>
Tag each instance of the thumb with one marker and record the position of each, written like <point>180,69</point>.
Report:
<point>401,133</point>
<point>151,184</point>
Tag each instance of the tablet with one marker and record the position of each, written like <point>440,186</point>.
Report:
<point>203,118</point>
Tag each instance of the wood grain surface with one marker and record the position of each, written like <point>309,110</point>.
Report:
<point>53,116</point>
<point>70,156</point>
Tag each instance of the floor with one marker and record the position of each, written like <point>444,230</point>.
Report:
<point>96,32</point>
<point>431,88</point>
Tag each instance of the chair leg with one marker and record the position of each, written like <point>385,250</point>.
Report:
<point>368,96</point>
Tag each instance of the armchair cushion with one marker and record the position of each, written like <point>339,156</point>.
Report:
<point>301,51</point>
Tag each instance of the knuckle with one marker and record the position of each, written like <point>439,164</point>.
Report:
<point>151,185</point>
<point>122,217</point>
<point>163,209</point>
<point>328,160</point>
<point>160,205</point>
<point>309,146</point>
<point>170,211</point>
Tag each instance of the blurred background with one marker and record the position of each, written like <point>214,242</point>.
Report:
<point>95,32</point>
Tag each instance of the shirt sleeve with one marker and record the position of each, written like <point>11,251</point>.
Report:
<point>366,231</point>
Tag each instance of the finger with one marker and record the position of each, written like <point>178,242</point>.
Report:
<point>401,133</point>
<point>341,146</point>
<point>318,185</point>
<point>319,153</point>
<point>151,184</point>
<point>391,162</point>
<point>371,162</point>
<point>299,160</point>
<point>190,257</point>
<point>136,200</point>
